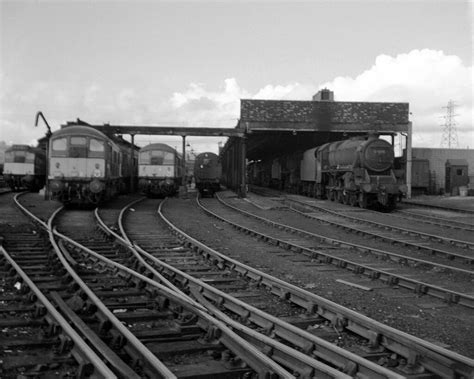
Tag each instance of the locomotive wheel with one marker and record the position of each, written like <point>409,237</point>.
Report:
<point>352,199</point>
<point>318,193</point>
<point>362,200</point>
<point>340,196</point>
<point>346,197</point>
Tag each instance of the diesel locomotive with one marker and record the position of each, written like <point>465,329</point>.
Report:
<point>357,171</point>
<point>159,170</point>
<point>87,167</point>
<point>207,173</point>
<point>25,168</point>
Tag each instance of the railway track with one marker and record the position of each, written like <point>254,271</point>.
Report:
<point>120,352</point>
<point>207,282</point>
<point>393,229</point>
<point>171,327</point>
<point>355,322</point>
<point>340,253</point>
<point>130,283</point>
<point>37,340</point>
<point>440,207</point>
<point>444,219</point>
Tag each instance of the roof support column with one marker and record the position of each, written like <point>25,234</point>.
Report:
<point>132,171</point>
<point>243,167</point>
<point>183,163</point>
<point>409,160</point>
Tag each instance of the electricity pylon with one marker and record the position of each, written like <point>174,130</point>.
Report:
<point>449,138</point>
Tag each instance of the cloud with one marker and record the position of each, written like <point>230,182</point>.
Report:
<point>426,79</point>
<point>293,91</point>
<point>199,107</point>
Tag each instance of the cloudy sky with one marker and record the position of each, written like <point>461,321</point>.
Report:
<point>189,63</point>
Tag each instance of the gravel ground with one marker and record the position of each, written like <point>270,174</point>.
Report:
<point>449,326</point>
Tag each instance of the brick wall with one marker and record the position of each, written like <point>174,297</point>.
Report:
<point>323,112</point>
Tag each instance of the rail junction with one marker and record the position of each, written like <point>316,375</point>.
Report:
<point>153,301</point>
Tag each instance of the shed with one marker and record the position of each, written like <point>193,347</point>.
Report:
<point>456,175</point>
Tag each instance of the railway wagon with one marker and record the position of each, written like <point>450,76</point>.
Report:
<point>25,168</point>
<point>159,170</point>
<point>207,173</point>
<point>87,167</point>
<point>357,171</point>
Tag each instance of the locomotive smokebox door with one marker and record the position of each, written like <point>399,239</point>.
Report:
<point>456,175</point>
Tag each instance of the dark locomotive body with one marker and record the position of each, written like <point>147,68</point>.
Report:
<point>159,170</point>
<point>25,168</point>
<point>358,171</point>
<point>207,173</point>
<point>87,167</point>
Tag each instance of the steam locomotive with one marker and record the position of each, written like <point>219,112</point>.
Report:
<point>87,167</point>
<point>358,171</point>
<point>25,168</point>
<point>159,170</point>
<point>207,173</point>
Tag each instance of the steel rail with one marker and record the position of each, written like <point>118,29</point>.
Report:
<point>256,359</point>
<point>373,273</point>
<point>127,243</point>
<point>439,360</point>
<point>306,341</point>
<point>153,361</point>
<point>80,348</point>
<point>433,220</point>
<point>460,210</point>
<point>283,353</point>
<point>155,364</point>
<point>378,251</point>
<point>426,236</point>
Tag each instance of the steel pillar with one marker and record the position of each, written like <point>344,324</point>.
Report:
<point>132,172</point>
<point>409,160</point>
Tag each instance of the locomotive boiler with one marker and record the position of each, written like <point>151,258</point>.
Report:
<point>87,167</point>
<point>25,168</point>
<point>207,173</point>
<point>159,170</point>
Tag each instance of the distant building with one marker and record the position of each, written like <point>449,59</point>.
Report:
<point>438,159</point>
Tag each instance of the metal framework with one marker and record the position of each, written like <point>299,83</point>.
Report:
<point>449,138</point>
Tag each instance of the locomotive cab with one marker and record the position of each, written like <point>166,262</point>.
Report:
<point>24,168</point>
<point>84,166</point>
<point>159,170</point>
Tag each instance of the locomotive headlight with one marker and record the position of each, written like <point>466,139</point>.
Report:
<point>97,173</point>
<point>403,188</point>
<point>96,186</point>
<point>56,186</point>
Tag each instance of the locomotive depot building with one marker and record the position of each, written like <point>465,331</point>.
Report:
<point>277,127</point>
<point>268,129</point>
